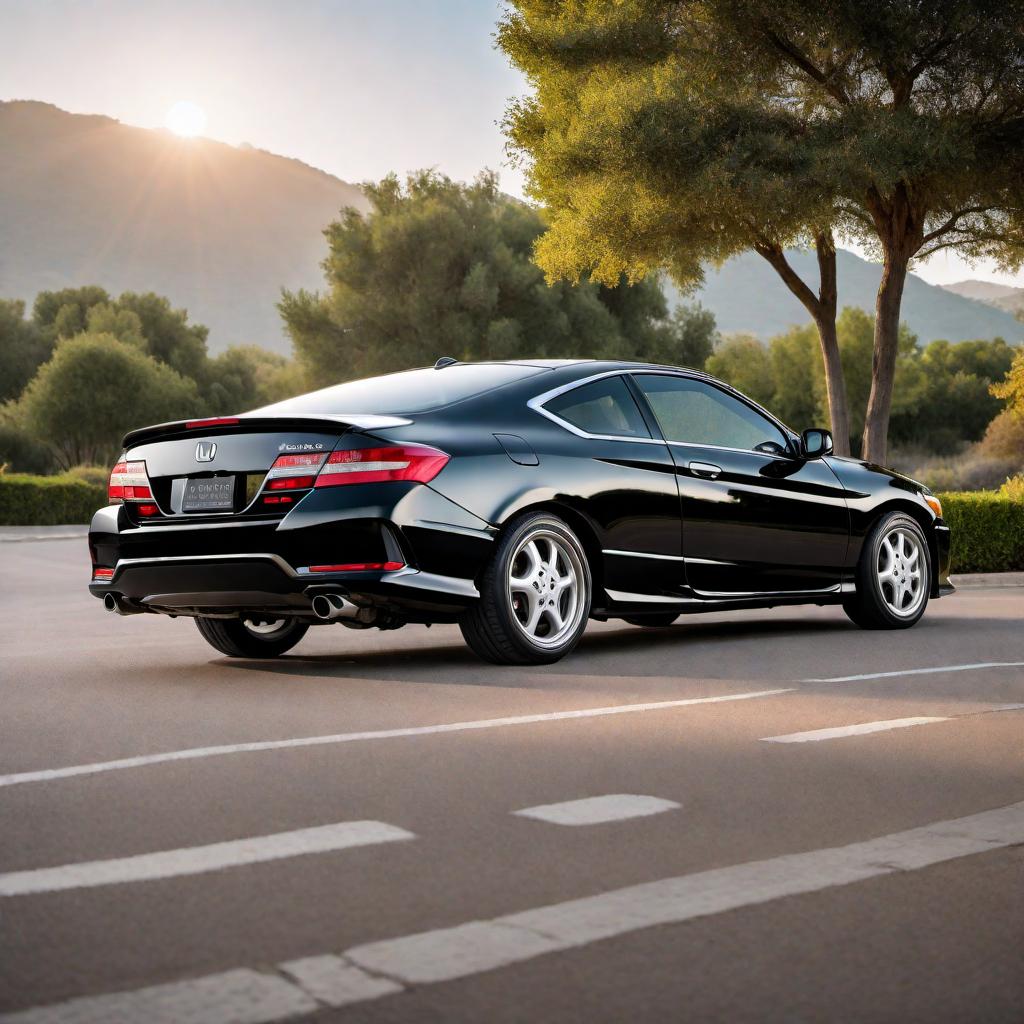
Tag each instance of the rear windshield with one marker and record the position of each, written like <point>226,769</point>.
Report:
<point>407,392</point>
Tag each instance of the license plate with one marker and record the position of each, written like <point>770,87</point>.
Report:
<point>209,494</point>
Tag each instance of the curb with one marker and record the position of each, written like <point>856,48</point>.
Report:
<point>13,534</point>
<point>980,580</point>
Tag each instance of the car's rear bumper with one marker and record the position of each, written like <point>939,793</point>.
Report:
<point>233,566</point>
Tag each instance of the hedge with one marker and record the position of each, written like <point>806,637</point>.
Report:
<point>988,528</point>
<point>27,500</point>
<point>988,531</point>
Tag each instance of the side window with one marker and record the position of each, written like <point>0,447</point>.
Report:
<point>603,407</point>
<point>699,413</point>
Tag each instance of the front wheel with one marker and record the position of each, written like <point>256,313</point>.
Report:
<point>893,575</point>
<point>251,638</point>
<point>534,596</point>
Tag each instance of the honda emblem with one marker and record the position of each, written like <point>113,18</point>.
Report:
<point>205,451</point>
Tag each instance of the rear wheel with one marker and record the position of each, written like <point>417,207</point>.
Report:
<point>534,596</point>
<point>659,621</point>
<point>893,575</point>
<point>252,638</point>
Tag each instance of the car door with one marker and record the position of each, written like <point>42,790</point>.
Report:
<point>757,519</point>
<point>603,459</point>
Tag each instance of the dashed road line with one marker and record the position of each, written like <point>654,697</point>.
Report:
<point>197,860</point>
<point>840,731</point>
<point>596,810</point>
<point>49,774</point>
<point>916,672</point>
<point>295,988</point>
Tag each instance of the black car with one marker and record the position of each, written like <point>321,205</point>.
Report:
<point>518,499</point>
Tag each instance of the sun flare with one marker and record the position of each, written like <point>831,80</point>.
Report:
<point>186,119</point>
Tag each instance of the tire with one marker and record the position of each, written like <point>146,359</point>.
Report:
<point>238,639</point>
<point>893,583</point>
<point>659,621</point>
<point>515,622</point>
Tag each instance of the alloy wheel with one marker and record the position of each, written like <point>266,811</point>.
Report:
<point>545,583</point>
<point>900,571</point>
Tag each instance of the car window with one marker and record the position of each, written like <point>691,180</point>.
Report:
<point>699,413</point>
<point>409,391</point>
<point>602,407</point>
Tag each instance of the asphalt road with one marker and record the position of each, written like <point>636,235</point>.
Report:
<point>380,872</point>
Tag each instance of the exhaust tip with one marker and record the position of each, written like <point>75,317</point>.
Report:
<point>332,606</point>
<point>110,602</point>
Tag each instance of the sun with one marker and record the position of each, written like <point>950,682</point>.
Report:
<point>186,119</point>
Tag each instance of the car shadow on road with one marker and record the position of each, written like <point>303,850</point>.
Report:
<point>448,663</point>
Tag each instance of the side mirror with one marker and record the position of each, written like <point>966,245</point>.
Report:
<point>815,442</point>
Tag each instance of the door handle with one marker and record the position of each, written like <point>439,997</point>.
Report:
<point>705,469</point>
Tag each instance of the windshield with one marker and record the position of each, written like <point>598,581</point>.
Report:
<point>410,391</point>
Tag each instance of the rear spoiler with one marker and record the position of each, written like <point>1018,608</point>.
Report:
<point>251,422</point>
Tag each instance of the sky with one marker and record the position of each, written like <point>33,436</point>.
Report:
<point>356,88</point>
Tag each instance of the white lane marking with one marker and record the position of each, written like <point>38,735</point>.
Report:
<point>246,997</point>
<point>48,774</point>
<point>240,996</point>
<point>484,945</point>
<point>594,810</point>
<point>838,732</point>
<point>333,981</point>
<point>197,860</point>
<point>916,672</point>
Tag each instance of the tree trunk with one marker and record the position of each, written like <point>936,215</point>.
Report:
<point>822,308</point>
<point>835,386</point>
<point>883,361</point>
<point>835,382</point>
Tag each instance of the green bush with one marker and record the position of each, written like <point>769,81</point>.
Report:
<point>98,476</point>
<point>27,500</point>
<point>988,530</point>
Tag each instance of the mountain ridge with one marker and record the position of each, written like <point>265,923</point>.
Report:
<point>746,295</point>
<point>220,229</point>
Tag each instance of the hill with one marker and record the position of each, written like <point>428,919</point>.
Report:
<point>747,295</point>
<point>219,229</point>
<point>1002,296</point>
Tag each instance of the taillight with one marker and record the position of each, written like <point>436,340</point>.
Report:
<point>294,472</point>
<point>104,575</point>
<point>128,482</point>
<point>374,465</point>
<point>213,421</point>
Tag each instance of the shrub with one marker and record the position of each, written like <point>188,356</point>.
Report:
<point>48,500</point>
<point>988,529</point>
<point>98,476</point>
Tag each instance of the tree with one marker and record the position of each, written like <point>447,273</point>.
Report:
<point>651,146</point>
<point>905,119</point>
<point>23,348</point>
<point>440,268</point>
<point>798,376</point>
<point>916,118</point>
<point>165,332</point>
<point>245,377</point>
<point>1012,388</point>
<point>169,336</point>
<point>743,361</point>
<point>956,403</point>
<point>94,389</point>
